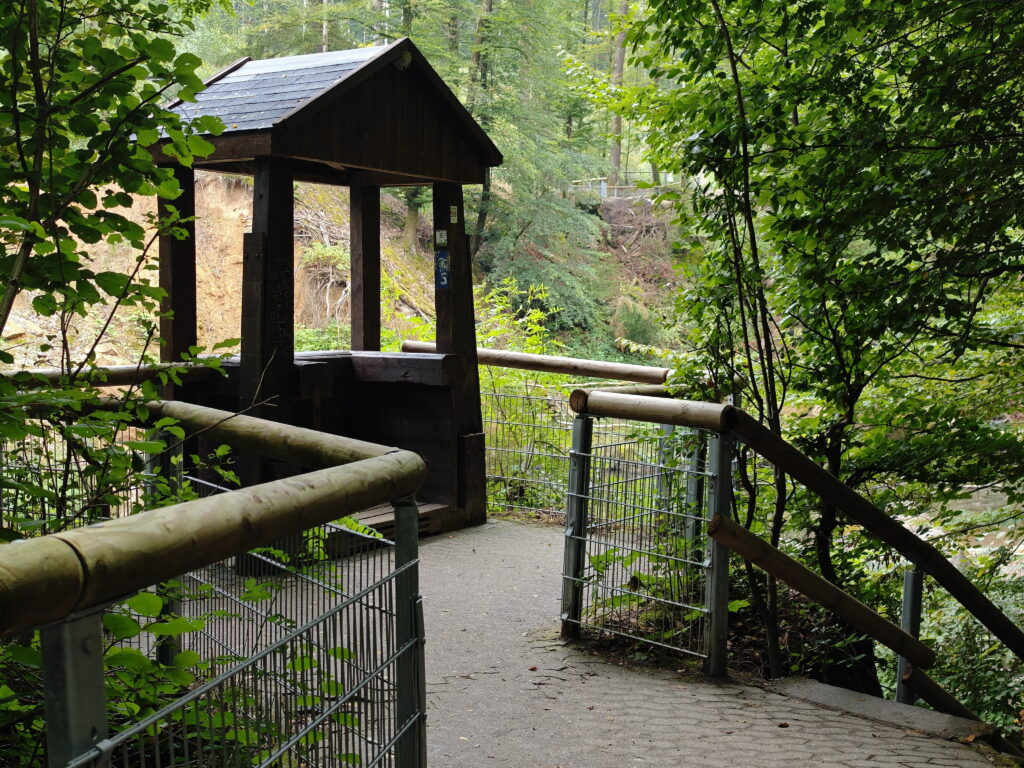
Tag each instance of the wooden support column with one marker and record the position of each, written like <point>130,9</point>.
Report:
<point>178,273</point>
<point>456,334</point>
<point>268,294</point>
<point>364,248</point>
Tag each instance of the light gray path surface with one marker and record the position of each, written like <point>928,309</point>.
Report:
<point>504,692</point>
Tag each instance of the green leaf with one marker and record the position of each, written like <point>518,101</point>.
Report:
<point>30,657</point>
<point>187,659</point>
<point>112,283</point>
<point>173,627</point>
<point>146,604</point>
<point>121,626</point>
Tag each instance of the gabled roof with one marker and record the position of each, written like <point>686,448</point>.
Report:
<point>381,109</point>
<point>250,95</point>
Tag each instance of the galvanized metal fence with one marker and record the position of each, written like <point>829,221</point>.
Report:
<point>638,559</point>
<point>299,665</point>
<point>528,435</point>
<point>306,652</point>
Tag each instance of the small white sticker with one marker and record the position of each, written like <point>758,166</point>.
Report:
<point>441,237</point>
<point>455,214</point>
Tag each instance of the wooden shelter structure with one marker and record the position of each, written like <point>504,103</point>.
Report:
<point>363,118</point>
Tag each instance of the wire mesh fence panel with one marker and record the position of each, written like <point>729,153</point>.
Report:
<point>280,660</point>
<point>527,439</point>
<point>54,482</point>
<point>643,547</point>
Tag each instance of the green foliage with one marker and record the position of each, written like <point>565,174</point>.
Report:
<point>853,249</point>
<point>84,105</point>
<point>334,335</point>
<point>327,256</point>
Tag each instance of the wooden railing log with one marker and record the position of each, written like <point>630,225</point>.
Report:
<point>686,413</point>
<point>876,522</point>
<point>46,578</point>
<point>114,375</point>
<point>597,369</point>
<point>820,590</point>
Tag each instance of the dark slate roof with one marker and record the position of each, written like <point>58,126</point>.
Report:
<point>257,94</point>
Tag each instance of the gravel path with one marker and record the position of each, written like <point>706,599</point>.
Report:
<point>503,691</point>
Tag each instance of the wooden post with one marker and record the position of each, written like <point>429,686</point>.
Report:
<point>364,248</point>
<point>456,334</point>
<point>178,273</point>
<point>268,293</point>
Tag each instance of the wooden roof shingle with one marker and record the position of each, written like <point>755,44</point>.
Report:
<point>256,94</point>
<point>381,108</point>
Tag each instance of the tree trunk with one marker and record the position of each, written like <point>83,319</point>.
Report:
<point>325,31</point>
<point>412,218</point>
<point>380,10</point>
<point>477,59</point>
<point>618,65</point>
<point>481,217</point>
<point>407,17</point>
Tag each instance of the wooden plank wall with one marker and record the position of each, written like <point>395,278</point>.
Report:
<point>392,122</point>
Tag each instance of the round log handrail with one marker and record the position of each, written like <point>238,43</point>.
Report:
<point>111,376</point>
<point>44,579</point>
<point>726,418</point>
<point>598,369</point>
<point>682,413</point>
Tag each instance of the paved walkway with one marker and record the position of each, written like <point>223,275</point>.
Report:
<point>503,691</point>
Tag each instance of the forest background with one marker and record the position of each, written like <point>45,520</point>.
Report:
<point>838,223</point>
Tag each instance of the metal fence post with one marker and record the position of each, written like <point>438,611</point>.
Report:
<point>720,456</point>
<point>410,693</point>
<point>163,465</point>
<point>576,525</point>
<point>665,457</point>
<point>695,485</point>
<point>74,691</point>
<point>910,621</point>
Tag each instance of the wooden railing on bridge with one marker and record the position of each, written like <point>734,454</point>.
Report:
<point>61,582</point>
<point>728,420</point>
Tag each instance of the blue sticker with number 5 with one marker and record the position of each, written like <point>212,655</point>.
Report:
<point>442,267</point>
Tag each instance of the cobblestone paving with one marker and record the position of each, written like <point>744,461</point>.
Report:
<point>503,691</point>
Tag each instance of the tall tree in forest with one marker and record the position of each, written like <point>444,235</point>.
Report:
<point>85,94</point>
<point>618,59</point>
<point>853,222</point>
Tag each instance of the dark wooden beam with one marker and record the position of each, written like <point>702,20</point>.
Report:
<point>243,145</point>
<point>268,288</point>
<point>178,273</point>
<point>456,334</point>
<point>364,233</point>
